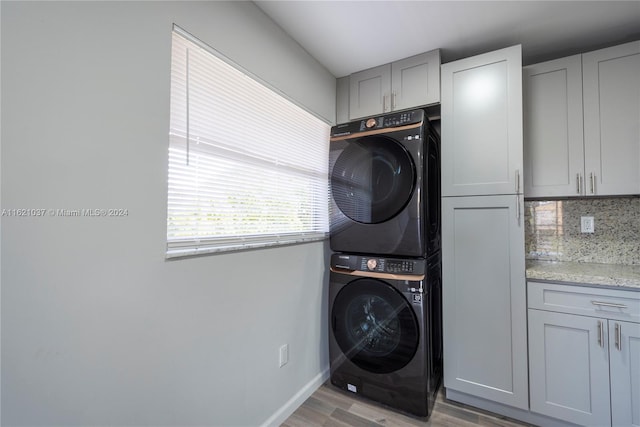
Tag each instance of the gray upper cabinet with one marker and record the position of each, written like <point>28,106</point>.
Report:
<point>553,142</point>
<point>408,83</point>
<point>582,124</point>
<point>415,81</point>
<point>482,124</point>
<point>612,119</point>
<point>370,92</point>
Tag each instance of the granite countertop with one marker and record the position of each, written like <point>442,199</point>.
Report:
<point>627,276</point>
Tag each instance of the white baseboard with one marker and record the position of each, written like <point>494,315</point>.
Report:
<point>292,404</point>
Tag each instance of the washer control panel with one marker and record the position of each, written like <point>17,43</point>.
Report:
<point>377,264</point>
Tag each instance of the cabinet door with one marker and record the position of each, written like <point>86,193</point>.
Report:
<point>612,119</point>
<point>484,299</point>
<point>569,367</point>
<point>482,124</point>
<point>624,353</point>
<point>415,81</point>
<point>370,92</point>
<point>553,142</point>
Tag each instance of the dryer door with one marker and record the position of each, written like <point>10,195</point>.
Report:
<point>372,179</point>
<point>375,326</point>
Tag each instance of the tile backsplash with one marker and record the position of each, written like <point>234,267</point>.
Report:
<point>552,230</point>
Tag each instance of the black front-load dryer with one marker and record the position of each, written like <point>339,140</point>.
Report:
<point>385,339</point>
<point>385,186</point>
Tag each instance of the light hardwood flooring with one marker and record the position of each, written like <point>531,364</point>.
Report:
<point>331,407</point>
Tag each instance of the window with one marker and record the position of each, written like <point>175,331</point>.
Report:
<point>247,167</point>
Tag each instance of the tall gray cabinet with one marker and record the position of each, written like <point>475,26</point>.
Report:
<point>484,293</point>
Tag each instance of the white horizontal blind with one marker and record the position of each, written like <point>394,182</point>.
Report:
<point>247,167</point>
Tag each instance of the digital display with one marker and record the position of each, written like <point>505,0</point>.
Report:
<point>400,266</point>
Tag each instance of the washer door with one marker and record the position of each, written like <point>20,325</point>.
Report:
<point>375,326</point>
<point>372,179</point>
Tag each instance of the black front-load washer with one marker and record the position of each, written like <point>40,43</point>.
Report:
<point>385,186</point>
<point>385,332</point>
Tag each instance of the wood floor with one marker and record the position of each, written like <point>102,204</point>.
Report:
<point>331,407</point>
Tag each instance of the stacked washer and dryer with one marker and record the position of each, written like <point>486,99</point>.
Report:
<point>385,332</point>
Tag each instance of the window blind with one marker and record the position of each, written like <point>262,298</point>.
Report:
<point>247,167</point>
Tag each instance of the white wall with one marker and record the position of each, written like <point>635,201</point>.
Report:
<point>97,328</point>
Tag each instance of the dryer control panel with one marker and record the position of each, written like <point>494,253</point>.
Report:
<point>377,264</point>
<point>391,120</point>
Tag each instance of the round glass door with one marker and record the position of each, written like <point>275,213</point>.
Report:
<point>375,326</point>
<point>372,179</point>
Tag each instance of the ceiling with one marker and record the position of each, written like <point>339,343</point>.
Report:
<point>349,36</point>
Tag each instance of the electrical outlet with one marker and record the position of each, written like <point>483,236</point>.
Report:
<point>284,354</point>
<point>587,224</point>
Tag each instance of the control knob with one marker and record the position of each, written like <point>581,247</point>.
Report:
<point>372,264</point>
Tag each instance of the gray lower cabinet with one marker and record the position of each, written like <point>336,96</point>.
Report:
<point>484,298</point>
<point>569,367</point>
<point>584,362</point>
<point>624,368</point>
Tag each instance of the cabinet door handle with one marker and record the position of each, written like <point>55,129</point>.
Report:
<point>518,210</point>
<point>517,181</point>
<point>384,103</point>
<point>578,183</point>
<point>609,304</point>
<point>600,334</point>
<point>393,101</point>
<point>618,336</point>
<point>592,177</point>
